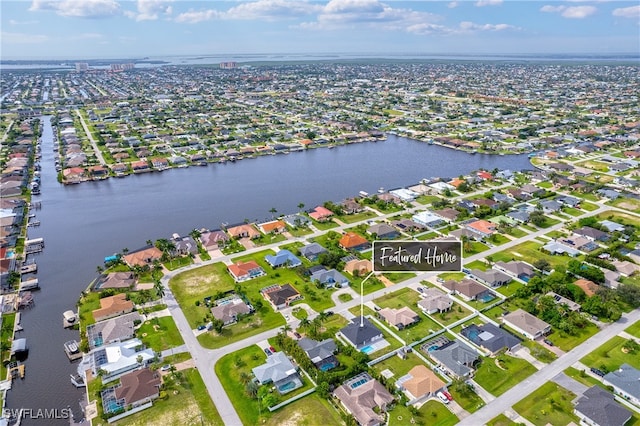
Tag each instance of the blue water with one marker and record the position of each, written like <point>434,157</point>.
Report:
<point>432,348</point>
<point>287,386</point>
<point>111,406</point>
<point>487,298</point>
<point>367,349</point>
<point>473,335</point>
<point>328,366</point>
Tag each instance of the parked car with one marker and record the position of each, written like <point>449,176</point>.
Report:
<point>442,398</point>
<point>297,335</point>
<point>421,290</point>
<point>165,367</point>
<point>548,342</point>
<point>201,327</point>
<point>448,395</point>
<point>598,372</point>
<point>271,349</point>
<point>267,351</point>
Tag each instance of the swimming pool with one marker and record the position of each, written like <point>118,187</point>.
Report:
<point>487,298</point>
<point>287,387</point>
<point>367,349</point>
<point>328,366</point>
<point>473,335</point>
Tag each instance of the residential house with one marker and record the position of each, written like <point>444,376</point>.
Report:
<point>428,219</point>
<point>433,300</point>
<point>531,190</point>
<point>280,296</point>
<point>568,201</point>
<point>113,306</point>
<point>360,267</point>
<point>296,220</point>
<point>491,277</point>
<point>351,206</point>
<point>244,230</point>
<point>138,388</point>
<point>611,278</point>
<point>626,383</point>
<point>467,288</point>
<point>330,278</point>
<point>117,329</point>
<point>383,231</point>
<point>211,240</point>
<point>612,226</point>
<point>353,241</point>
<point>520,216</point>
<point>365,399</point>
<point>279,371</point>
<point>634,255</point>
<point>482,227</point>
<point>597,407</point>
<point>526,324</point>
<point>230,309</point>
<point>243,271</point>
<point>142,257</point>
<point>320,214</point>
<point>183,246</point>
<point>516,269</point>
<point>592,234</point>
<point>272,227</point>
<point>312,251</point>
<point>448,214</point>
<point>625,268</point>
<point>579,242</point>
<point>399,318</point>
<point>361,333</point>
<point>115,280</point>
<point>283,258</point>
<point>491,338</point>
<point>455,358</point>
<point>550,206</point>
<point>322,354</point>
<point>555,248</point>
<point>420,383</point>
<point>116,359</point>
<point>561,300</point>
<point>611,194</point>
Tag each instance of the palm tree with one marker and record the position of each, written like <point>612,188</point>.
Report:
<point>125,251</point>
<point>304,322</point>
<point>286,328</point>
<point>149,242</point>
<point>245,377</point>
<point>159,288</point>
<point>99,269</point>
<point>273,211</point>
<point>300,206</point>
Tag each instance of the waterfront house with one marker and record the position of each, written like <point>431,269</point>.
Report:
<point>229,310</point>
<point>353,241</point>
<point>625,382</point>
<point>322,354</point>
<point>329,278</point>
<point>243,231</point>
<point>117,329</point>
<point>351,206</point>
<point>490,338</point>
<point>140,166</point>
<point>280,296</point>
<point>399,318</point>
<point>312,251</point>
<point>272,227</point>
<point>296,220</point>
<point>116,359</point>
<point>183,246</point>
<point>279,371</point>
<point>420,383</point>
<point>116,280</point>
<point>434,300</point>
<point>320,214</point>
<point>138,388</point>
<point>364,398</point>
<point>597,407</point>
<point>526,324</point>
<point>211,240</point>
<point>113,306</point>
<point>283,258</point>
<point>243,271</point>
<point>142,257</point>
<point>454,357</point>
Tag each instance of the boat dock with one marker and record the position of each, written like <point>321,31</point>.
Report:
<point>16,370</point>
<point>28,268</point>
<point>17,327</point>
<point>31,284</point>
<point>72,350</point>
<point>69,319</point>
<point>35,245</point>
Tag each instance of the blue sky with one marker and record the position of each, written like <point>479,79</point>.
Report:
<point>75,29</point>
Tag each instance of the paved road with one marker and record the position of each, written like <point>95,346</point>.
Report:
<point>526,387</point>
<point>93,141</point>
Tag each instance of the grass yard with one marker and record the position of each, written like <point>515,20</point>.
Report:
<point>308,411</point>
<point>529,252</point>
<point>545,185</point>
<point>498,239</point>
<point>470,400</point>
<point>583,377</point>
<point>473,247</point>
<point>456,276</point>
<point>516,232</point>
<point>498,380</point>
<point>585,195</point>
<point>634,329</point>
<point>300,231</point>
<point>567,342</point>
<point>501,420</point>
<point>187,403</point>
<point>623,218</point>
<point>539,352</point>
<point>326,225</point>
<point>427,199</point>
<point>398,277</point>
<point>160,334</point>
<point>357,217</point>
<point>345,297</point>
<point>371,285</point>
<point>399,367</point>
<point>550,404</point>
<point>626,203</point>
<point>571,211</point>
<point>609,356</point>
<point>6,334</point>
<point>509,289</point>
<point>478,264</point>
<point>433,413</point>
<point>89,302</point>
<point>456,313</point>
<point>588,206</point>
<point>427,236</point>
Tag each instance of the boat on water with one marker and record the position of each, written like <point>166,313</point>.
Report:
<point>77,381</point>
<point>71,347</point>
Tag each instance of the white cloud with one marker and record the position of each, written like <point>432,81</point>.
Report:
<point>150,10</point>
<point>578,12</point>
<point>481,3</point>
<point>272,10</point>
<point>14,22</point>
<point>193,16</point>
<point>627,12</point>
<point>452,5</point>
<point>571,12</point>
<point>429,29</point>
<point>23,38</point>
<point>78,8</point>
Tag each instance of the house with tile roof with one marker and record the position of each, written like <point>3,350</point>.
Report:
<point>320,214</point>
<point>482,227</point>
<point>361,267</point>
<point>117,280</point>
<point>280,371</point>
<point>116,329</point>
<point>491,277</point>
<point>329,278</point>
<point>113,306</point>
<point>138,388</point>
<point>589,287</point>
<point>516,269</point>
<point>312,251</point>
<point>272,227</point>
<point>229,311</point>
<point>244,230</point>
<point>364,398</point>
<point>467,288</point>
<point>243,271</point>
<point>399,318</point>
<point>433,300</point>
<point>280,296</point>
<point>420,383</point>
<point>353,241</point>
<point>142,257</point>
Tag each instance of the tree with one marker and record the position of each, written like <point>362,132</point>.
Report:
<point>273,211</point>
<point>159,288</point>
<point>251,389</point>
<point>300,206</point>
<point>538,218</point>
<point>542,265</point>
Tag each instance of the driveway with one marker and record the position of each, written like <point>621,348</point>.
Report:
<point>570,384</point>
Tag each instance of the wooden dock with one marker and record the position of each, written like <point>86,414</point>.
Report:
<point>28,268</point>
<point>31,284</point>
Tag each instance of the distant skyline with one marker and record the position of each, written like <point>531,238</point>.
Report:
<point>90,29</point>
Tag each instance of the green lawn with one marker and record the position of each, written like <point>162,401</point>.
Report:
<point>572,211</point>
<point>89,302</point>
<point>588,206</point>
<point>620,217</point>
<point>357,217</point>
<point>501,420</point>
<point>627,204</point>
<point>323,226</point>
<point>585,195</point>
<point>427,236</point>
<point>498,380</point>
<point>469,400</point>
<point>160,334</point>
<point>309,411</point>
<point>398,277</point>
<point>478,264</point>
<point>399,367</point>
<point>539,352</point>
<point>550,404</point>
<point>427,199</point>
<point>473,247</point>
<point>187,403</point>
<point>498,239</point>
<point>456,313</point>
<point>567,342</point>
<point>432,413</point>
<point>545,185</point>
<point>583,377</point>
<point>517,232</point>
<point>6,334</point>
<point>609,356</point>
<point>345,297</point>
<point>530,252</point>
<point>509,289</point>
<point>634,329</point>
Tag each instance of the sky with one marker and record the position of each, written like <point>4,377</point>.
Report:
<point>90,29</point>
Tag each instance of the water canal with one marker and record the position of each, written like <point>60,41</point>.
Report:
<point>81,224</point>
